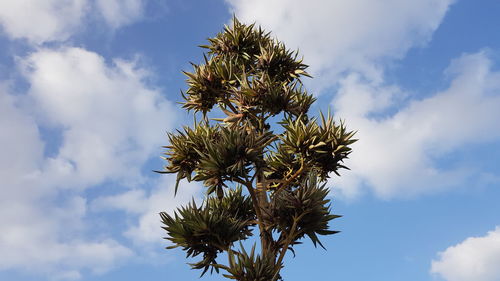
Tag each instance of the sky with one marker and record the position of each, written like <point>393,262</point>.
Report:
<point>89,88</point>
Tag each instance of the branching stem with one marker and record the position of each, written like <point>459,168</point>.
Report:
<point>290,238</point>
<point>258,213</point>
<point>290,180</point>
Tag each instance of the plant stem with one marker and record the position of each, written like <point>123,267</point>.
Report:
<point>258,213</point>
<point>289,180</point>
<point>288,241</point>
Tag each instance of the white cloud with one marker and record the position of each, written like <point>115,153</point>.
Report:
<point>147,231</point>
<point>474,259</point>
<point>133,201</point>
<point>34,232</point>
<point>397,154</point>
<point>40,21</point>
<point>56,20</point>
<point>120,12</point>
<point>20,134</point>
<point>110,122</point>
<point>336,36</point>
<point>348,45</point>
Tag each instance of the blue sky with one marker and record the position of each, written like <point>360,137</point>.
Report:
<point>88,89</point>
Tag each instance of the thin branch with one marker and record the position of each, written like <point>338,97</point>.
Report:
<point>289,238</point>
<point>230,105</point>
<point>248,185</point>
<point>289,180</point>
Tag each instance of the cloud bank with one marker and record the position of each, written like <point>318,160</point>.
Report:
<point>398,154</point>
<point>110,122</point>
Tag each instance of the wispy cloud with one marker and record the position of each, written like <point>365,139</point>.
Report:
<point>117,13</point>
<point>145,231</point>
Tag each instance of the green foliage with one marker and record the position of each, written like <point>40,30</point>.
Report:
<point>247,68</point>
<point>310,146</point>
<point>211,228</point>
<point>254,178</point>
<point>251,267</point>
<point>301,211</point>
<point>215,154</point>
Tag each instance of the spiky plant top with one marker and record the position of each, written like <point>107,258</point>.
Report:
<point>251,77</point>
